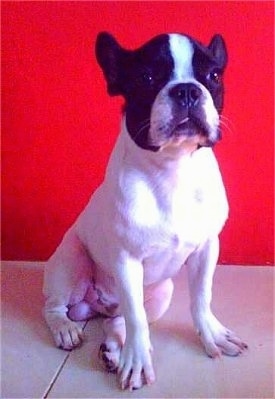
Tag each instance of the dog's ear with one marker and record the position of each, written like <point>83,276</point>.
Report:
<point>218,49</point>
<point>108,55</point>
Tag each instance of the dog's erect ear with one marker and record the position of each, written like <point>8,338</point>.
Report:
<point>108,55</point>
<point>218,49</point>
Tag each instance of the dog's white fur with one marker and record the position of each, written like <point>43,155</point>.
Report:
<point>154,212</point>
<point>182,52</point>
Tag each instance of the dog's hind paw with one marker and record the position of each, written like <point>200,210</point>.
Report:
<point>66,333</point>
<point>109,357</point>
<point>69,337</point>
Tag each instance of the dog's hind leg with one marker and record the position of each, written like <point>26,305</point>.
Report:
<point>67,276</point>
<point>157,299</point>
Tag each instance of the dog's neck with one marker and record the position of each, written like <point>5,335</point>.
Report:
<point>165,169</point>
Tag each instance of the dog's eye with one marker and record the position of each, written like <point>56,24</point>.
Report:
<point>146,78</point>
<point>215,76</point>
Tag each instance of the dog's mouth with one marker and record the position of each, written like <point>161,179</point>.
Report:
<point>188,133</point>
<point>189,127</point>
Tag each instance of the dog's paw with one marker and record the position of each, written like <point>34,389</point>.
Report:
<point>109,355</point>
<point>66,333</point>
<point>135,365</point>
<point>218,340</point>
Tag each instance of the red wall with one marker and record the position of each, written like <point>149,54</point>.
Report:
<point>59,125</point>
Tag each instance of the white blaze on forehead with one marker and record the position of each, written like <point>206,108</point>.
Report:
<point>182,52</point>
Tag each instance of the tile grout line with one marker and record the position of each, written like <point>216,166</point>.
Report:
<point>59,370</point>
<point>55,377</point>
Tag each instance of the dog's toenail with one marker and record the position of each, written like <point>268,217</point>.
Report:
<point>111,368</point>
<point>105,358</point>
<point>103,348</point>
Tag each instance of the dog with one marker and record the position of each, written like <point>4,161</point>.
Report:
<point>161,205</point>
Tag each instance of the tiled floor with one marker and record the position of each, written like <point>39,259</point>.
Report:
<point>33,368</point>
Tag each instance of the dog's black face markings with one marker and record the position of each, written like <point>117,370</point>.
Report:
<point>209,64</point>
<point>138,76</point>
<point>141,74</point>
<point>148,71</point>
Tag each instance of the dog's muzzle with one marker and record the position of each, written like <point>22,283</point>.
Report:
<point>184,111</point>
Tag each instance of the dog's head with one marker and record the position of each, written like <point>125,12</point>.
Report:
<point>172,86</point>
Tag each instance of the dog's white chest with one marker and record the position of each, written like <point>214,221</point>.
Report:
<point>156,214</point>
<point>161,215</point>
<point>169,222</point>
<point>177,202</point>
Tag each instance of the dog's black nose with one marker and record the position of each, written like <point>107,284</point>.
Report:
<point>186,94</point>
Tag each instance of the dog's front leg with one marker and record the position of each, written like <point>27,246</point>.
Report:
<point>135,360</point>
<point>216,338</point>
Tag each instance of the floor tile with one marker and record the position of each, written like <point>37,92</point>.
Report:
<point>29,359</point>
<point>242,299</point>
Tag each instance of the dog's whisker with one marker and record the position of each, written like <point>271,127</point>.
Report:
<point>227,119</point>
<point>144,125</point>
<point>224,126</point>
<point>145,121</point>
<point>227,124</point>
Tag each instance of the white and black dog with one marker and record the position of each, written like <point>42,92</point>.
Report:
<point>161,205</point>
